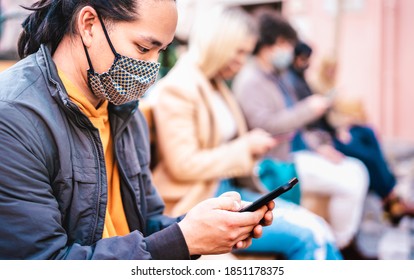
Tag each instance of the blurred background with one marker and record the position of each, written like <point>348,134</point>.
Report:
<point>366,46</point>
<point>370,44</point>
<point>371,41</point>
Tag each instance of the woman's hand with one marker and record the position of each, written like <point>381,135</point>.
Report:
<point>260,142</point>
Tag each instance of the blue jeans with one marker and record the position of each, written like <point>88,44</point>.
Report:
<point>296,233</point>
<point>365,147</point>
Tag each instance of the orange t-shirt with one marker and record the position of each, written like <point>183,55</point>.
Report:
<point>115,219</point>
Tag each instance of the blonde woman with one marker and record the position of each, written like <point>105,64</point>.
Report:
<point>204,143</point>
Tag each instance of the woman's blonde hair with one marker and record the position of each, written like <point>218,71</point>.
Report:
<point>326,75</point>
<point>217,35</point>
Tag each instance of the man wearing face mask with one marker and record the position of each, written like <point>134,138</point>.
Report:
<point>75,181</point>
<point>269,102</point>
<point>262,91</point>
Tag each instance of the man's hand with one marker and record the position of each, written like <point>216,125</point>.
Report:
<point>258,230</point>
<point>215,226</point>
<point>319,104</point>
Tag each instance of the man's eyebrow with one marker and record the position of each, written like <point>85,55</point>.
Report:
<point>153,41</point>
<point>168,45</point>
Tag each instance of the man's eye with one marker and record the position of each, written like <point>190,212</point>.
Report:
<point>143,49</point>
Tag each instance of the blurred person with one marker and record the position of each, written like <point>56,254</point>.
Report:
<point>325,80</point>
<point>297,70</point>
<point>295,77</point>
<point>204,144</point>
<point>268,102</point>
<point>353,136</point>
<point>74,175</point>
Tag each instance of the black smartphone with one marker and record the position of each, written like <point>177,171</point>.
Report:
<point>270,196</point>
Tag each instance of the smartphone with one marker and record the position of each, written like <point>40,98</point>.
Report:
<point>283,136</point>
<point>270,196</point>
<point>332,93</point>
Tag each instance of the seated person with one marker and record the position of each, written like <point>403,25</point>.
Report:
<point>204,143</point>
<point>74,170</point>
<point>268,102</point>
<point>351,135</point>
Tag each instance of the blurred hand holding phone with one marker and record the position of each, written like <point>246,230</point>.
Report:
<point>284,136</point>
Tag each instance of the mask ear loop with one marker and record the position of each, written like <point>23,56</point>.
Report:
<point>117,55</point>
<point>88,58</point>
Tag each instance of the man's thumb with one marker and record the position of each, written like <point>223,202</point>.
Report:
<point>230,201</point>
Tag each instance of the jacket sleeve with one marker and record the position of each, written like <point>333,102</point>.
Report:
<point>30,219</point>
<point>175,114</point>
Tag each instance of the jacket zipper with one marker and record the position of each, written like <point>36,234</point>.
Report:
<point>98,203</point>
<point>84,124</point>
<point>122,171</point>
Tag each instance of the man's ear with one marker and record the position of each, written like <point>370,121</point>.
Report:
<point>87,22</point>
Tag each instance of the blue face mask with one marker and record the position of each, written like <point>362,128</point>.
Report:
<point>126,80</point>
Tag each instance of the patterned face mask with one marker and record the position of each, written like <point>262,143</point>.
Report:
<point>127,80</point>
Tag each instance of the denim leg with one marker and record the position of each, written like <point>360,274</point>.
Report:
<point>295,232</point>
<point>365,147</point>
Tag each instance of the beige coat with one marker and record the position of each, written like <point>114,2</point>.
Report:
<point>191,159</point>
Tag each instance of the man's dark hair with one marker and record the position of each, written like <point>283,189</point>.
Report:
<point>50,20</point>
<point>273,25</point>
<point>302,48</point>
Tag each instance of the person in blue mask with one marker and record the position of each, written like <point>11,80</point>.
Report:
<point>74,171</point>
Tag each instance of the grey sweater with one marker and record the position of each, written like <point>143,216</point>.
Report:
<point>264,106</point>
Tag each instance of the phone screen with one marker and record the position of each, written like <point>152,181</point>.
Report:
<point>270,196</point>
